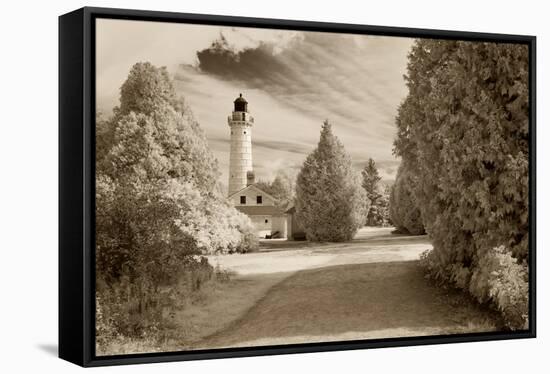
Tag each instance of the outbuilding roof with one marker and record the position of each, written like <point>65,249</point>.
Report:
<point>260,210</point>
<point>251,187</point>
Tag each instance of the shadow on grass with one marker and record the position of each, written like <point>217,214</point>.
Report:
<point>366,237</point>
<point>350,302</point>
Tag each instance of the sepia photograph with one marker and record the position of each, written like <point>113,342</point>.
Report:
<point>269,187</point>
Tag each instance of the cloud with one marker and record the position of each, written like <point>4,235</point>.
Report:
<point>292,80</point>
<point>348,74</point>
<point>241,38</point>
<point>286,146</point>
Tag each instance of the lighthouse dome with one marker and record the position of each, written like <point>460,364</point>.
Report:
<point>241,105</point>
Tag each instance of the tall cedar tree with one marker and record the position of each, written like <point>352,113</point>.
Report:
<point>385,205</point>
<point>330,202</point>
<point>463,130</point>
<point>371,184</point>
<point>404,213</point>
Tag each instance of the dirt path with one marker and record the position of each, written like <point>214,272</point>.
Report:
<point>369,288</point>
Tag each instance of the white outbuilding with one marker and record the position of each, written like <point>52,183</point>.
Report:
<point>270,221</point>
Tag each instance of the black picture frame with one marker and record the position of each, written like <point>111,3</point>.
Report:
<point>77,184</point>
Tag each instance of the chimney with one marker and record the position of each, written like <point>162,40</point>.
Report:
<point>249,178</point>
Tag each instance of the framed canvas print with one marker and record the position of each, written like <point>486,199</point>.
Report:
<point>234,186</point>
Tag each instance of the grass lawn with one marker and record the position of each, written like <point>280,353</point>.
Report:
<point>216,306</point>
<point>221,305</point>
<point>300,292</point>
<point>351,302</point>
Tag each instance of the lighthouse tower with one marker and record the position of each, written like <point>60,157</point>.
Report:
<point>240,122</point>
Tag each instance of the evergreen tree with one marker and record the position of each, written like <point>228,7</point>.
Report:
<point>371,180</point>
<point>385,205</point>
<point>463,131</point>
<point>330,201</point>
<point>405,215</point>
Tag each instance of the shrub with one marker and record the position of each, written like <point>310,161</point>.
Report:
<point>500,279</point>
<point>248,236</point>
<point>222,275</point>
<point>497,278</point>
<point>249,241</point>
<point>129,311</point>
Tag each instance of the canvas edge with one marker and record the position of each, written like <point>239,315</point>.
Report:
<point>71,331</point>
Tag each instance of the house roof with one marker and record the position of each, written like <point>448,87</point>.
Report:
<point>259,210</point>
<point>251,186</point>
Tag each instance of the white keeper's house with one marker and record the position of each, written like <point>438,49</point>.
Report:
<point>269,220</point>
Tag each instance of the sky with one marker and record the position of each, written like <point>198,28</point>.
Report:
<point>292,81</point>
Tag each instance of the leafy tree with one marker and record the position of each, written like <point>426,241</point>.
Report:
<point>141,151</point>
<point>146,89</point>
<point>264,185</point>
<point>282,188</point>
<point>463,130</point>
<point>330,202</point>
<point>157,204</point>
<point>371,184</point>
<point>103,135</point>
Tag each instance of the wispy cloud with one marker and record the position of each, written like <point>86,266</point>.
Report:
<point>348,73</point>
<point>292,80</point>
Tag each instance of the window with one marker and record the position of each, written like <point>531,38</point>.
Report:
<point>243,199</point>
<point>245,132</point>
<point>258,199</point>
<point>266,221</point>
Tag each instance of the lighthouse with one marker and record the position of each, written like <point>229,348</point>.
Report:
<point>269,220</point>
<point>240,122</point>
